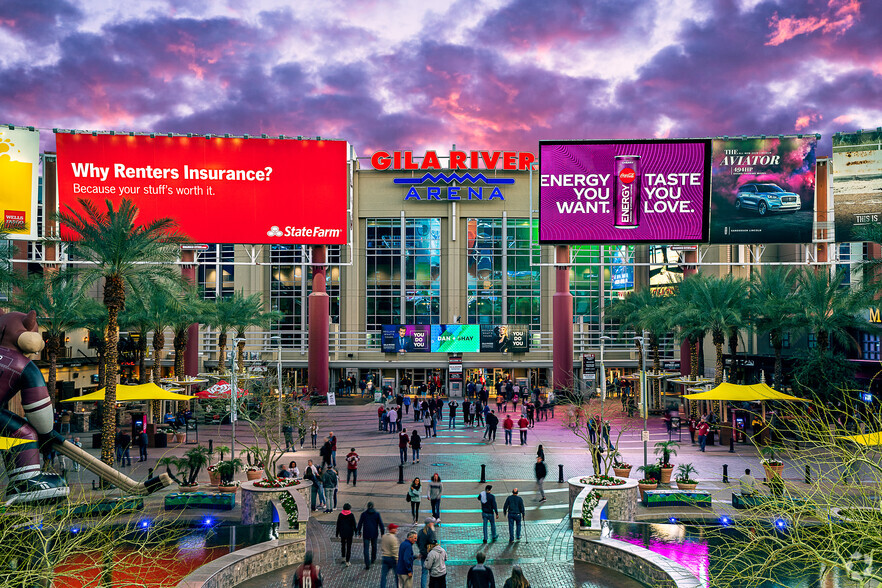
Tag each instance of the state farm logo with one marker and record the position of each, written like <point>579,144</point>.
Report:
<point>274,232</point>
<point>14,218</point>
<point>627,175</point>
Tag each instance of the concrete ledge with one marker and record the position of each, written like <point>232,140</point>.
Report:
<point>638,563</point>
<point>234,568</point>
<point>594,528</point>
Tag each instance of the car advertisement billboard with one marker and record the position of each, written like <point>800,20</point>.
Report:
<point>19,180</point>
<point>407,338</point>
<point>219,190</point>
<point>763,190</point>
<point>857,182</point>
<point>505,338</point>
<point>653,191</point>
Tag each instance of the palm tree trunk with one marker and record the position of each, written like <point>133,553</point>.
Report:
<point>51,383</point>
<point>180,345</point>
<point>693,359</point>
<point>719,339</point>
<point>656,368</point>
<point>114,300</point>
<point>158,344</point>
<point>102,375</point>
<point>222,353</point>
<point>733,351</point>
<point>142,358</point>
<point>823,341</point>
<point>779,372</point>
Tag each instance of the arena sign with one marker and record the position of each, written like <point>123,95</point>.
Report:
<point>462,179</point>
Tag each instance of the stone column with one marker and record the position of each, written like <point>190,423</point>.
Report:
<point>562,321</point>
<point>191,353</point>
<point>319,318</point>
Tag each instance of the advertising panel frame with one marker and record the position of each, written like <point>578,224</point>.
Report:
<point>20,146</point>
<point>852,182</point>
<point>705,197</point>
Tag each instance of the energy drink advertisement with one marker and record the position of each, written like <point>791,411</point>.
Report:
<point>655,191</point>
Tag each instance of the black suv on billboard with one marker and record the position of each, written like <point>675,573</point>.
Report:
<point>766,198</point>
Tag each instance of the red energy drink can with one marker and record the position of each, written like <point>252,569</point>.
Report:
<point>627,196</point>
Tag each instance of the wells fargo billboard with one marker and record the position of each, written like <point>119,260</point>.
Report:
<point>19,179</point>
<point>219,190</point>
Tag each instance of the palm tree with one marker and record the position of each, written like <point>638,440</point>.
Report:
<point>118,249</point>
<point>191,308</point>
<point>687,318</point>
<point>773,309</point>
<point>655,320</point>
<point>829,309</point>
<point>223,316</point>
<point>717,305</point>
<point>96,319</point>
<point>60,303</point>
<point>249,312</point>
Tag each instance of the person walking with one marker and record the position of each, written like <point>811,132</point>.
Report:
<point>500,402</point>
<point>288,432</point>
<point>76,465</point>
<point>312,474</point>
<point>703,430</point>
<point>332,438</point>
<point>427,423</point>
<point>466,412</point>
<point>489,512</point>
<point>329,483</point>
<point>370,526</point>
<point>352,467</point>
<point>404,567</point>
<point>451,407</point>
<point>523,423</point>
<point>345,531</point>
<point>393,420</point>
<point>325,452</point>
<point>402,445</point>
<point>425,538</point>
<point>517,579</point>
<point>514,508</point>
<point>477,414</point>
<point>492,423</point>
<point>592,430</point>
<point>405,402</point>
<point>414,495</point>
<point>436,564</point>
<point>389,555</point>
<point>605,430</point>
<point>507,427</point>
<point>479,575</point>
<point>541,471</point>
<point>143,442</point>
<point>436,489</point>
<point>125,442</point>
<point>416,442</point>
<point>313,432</point>
<point>308,575</point>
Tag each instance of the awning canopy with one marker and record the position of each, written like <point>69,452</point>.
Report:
<point>743,393</point>
<point>126,393</point>
<point>222,389</point>
<point>870,439</point>
<point>7,443</point>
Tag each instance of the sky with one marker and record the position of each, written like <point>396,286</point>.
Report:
<point>477,74</point>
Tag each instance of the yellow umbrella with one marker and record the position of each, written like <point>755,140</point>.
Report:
<point>870,439</point>
<point>7,443</point>
<point>747,393</point>
<point>126,393</point>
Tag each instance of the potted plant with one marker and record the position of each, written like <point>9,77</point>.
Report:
<point>665,449</point>
<point>685,480</point>
<point>188,467</point>
<point>621,468</point>
<point>213,476</point>
<point>651,476</point>
<point>254,470</point>
<point>227,469</point>
<point>772,466</point>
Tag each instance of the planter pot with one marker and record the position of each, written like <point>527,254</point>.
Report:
<point>258,475</point>
<point>214,478</point>
<point>773,471</point>
<point>188,488</point>
<point>644,487</point>
<point>684,486</point>
<point>180,437</point>
<point>622,472</point>
<point>230,489</point>
<point>666,474</point>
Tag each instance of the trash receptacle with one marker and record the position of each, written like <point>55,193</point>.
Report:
<point>160,440</point>
<point>96,440</point>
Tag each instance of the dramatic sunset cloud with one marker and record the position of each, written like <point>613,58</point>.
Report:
<point>500,74</point>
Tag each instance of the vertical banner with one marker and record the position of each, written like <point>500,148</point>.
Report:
<point>19,177</point>
<point>763,190</point>
<point>857,182</point>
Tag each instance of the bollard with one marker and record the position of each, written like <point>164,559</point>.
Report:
<point>808,474</point>
<point>401,474</point>
<point>211,446</point>
<point>725,473</point>
<point>560,478</point>
<point>483,473</point>
<point>150,473</point>
<point>732,442</point>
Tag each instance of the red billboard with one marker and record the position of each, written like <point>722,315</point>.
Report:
<point>219,190</point>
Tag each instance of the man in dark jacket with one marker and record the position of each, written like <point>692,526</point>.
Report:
<point>480,576</point>
<point>466,416</point>
<point>404,568</point>
<point>514,508</point>
<point>370,527</point>
<point>452,406</point>
<point>488,511</point>
<point>325,452</point>
<point>426,537</point>
<point>492,423</point>
<point>345,531</point>
<point>541,472</point>
<point>402,445</point>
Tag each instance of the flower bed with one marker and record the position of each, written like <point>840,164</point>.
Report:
<point>602,481</point>
<point>277,483</point>
<point>591,502</point>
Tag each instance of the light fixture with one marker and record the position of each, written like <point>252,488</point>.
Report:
<point>152,135</point>
<point>780,524</point>
<point>725,521</point>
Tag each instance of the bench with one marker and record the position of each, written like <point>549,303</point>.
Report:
<point>743,501</point>
<point>202,500</point>
<point>660,498</point>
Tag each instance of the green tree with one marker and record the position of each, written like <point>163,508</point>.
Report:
<point>773,309</point>
<point>125,256</point>
<point>830,310</point>
<point>190,308</point>
<point>688,321</point>
<point>249,312</point>
<point>96,320</point>
<point>716,306</point>
<point>225,314</point>
<point>61,306</point>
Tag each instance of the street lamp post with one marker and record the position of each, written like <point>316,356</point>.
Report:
<point>234,396</point>
<point>278,341</point>
<point>641,342</point>
<point>603,340</point>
